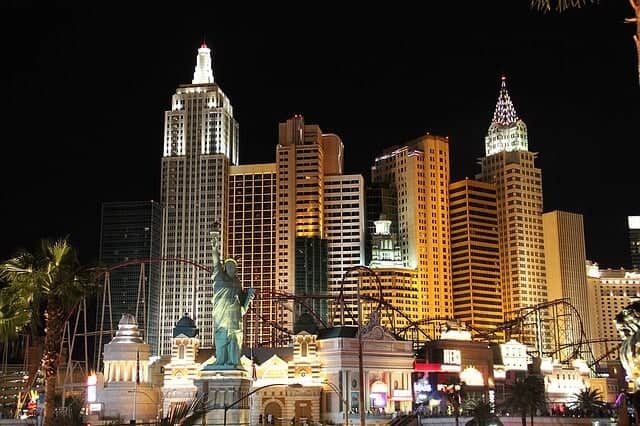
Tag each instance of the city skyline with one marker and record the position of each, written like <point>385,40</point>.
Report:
<point>376,83</point>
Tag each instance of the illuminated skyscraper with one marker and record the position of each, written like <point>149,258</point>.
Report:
<point>301,259</point>
<point>200,143</point>
<point>252,239</point>
<point>509,165</point>
<point>320,215</point>
<point>475,259</point>
<point>565,257</point>
<point>344,225</point>
<point>418,173</point>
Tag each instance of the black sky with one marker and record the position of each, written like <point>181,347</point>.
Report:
<point>84,93</point>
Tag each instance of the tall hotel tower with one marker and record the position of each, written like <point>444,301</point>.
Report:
<point>319,219</point>
<point>200,143</point>
<point>509,165</point>
<point>251,239</point>
<point>418,171</point>
<point>475,257</point>
<point>564,252</point>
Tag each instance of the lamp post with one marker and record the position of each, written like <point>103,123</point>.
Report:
<point>228,406</point>
<point>343,401</point>
<point>363,420</point>
<point>361,268</point>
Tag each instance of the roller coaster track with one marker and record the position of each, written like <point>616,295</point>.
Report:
<point>558,317</point>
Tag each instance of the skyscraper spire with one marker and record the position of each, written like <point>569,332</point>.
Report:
<point>203,73</point>
<point>506,132</point>
<point>505,113</point>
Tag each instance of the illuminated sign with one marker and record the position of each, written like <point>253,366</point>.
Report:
<point>472,377</point>
<point>451,356</point>
<point>429,367</point>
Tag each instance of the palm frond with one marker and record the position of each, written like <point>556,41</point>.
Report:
<point>15,313</point>
<point>558,5</point>
<point>186,413</point>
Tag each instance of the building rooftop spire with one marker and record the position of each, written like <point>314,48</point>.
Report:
<point>505,113</point>
<point>204,72</point>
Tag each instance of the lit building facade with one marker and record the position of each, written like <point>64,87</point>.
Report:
<point>609,291</point>
<point>200,143</point>
<point>399,287</point>
<point>381,202</point>
<point>510,166</point>
<point>475,258</point>
<point>634,240</point>
<point>456,359</point>
<point>418,172</point>
<point>387,367</point>
<point>125,389</point>
<point>565,258</point>
<point>252,241</point>
<point>345,234</point>
<point>131,230</point>
<point>304,156</point>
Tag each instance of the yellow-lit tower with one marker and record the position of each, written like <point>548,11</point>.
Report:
<point>510,166</point>
<point>418,171</point>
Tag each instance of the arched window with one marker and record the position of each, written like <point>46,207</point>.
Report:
<point>181,352</point>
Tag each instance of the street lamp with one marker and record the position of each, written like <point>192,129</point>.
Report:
<point>227,406</point>
<point>343,401</point>
<point>361,268</point>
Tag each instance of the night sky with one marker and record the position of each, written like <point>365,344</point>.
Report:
<point>84,94</point>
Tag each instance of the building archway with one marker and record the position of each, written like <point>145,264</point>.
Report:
<point>272,413</point>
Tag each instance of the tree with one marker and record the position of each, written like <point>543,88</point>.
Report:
<point>527,397</point>
<point>562,5</point>
<point>517,401</point>
<point>483,414</point>
<point>536,394</point>
<point>51,280</point>
<point>588,402</point>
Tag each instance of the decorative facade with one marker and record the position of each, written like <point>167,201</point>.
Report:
<point>511,168</point>
<point>200,143</point>
<point>418,173</point>
<point>125,389</point>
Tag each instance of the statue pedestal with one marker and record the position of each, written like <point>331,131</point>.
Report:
<point>223,387</point>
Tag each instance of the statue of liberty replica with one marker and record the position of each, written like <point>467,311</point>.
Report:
<point>230,303</point>
<point>225,381</point>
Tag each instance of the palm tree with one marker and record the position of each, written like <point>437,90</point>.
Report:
<point>588,402</point>
<point>562,5</point>
<point>482,412</point>
<point>518,401</point>
<point>51,279</point>
<point>536,394</point>
<point>527,397</point>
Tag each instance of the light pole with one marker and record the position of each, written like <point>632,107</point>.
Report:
<point>360,268</point>
<point>227,406</point>
<point>343,401</point>
<point>363,420</point>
